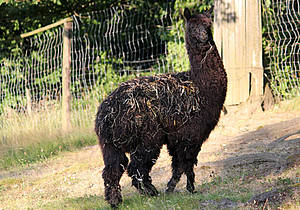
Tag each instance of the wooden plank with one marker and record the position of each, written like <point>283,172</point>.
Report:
<point>218,26</point>
<point>66,78</point>
<point>232,55</point>
<point>242,72</point>
<point>224,26</point>
<point>258,69</point>
<point>229,41</point>
<point>254,46</point>
<point>241,48</point>
<point>46,27</point>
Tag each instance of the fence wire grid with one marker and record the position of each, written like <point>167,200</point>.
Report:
<point>281,44</point>
<point>107,47</point>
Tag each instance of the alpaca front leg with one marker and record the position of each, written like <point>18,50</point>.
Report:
<point>177,168</point>
<point>183,160</point>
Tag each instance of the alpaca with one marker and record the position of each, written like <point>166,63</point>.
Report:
<point>179,110</point>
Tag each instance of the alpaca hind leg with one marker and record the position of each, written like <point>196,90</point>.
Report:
<point>191,160</point>
<point>139,168</point>
<point>174,180</point>
<point>183,160</point>
<point>115,164</point>
<point>177,171</point>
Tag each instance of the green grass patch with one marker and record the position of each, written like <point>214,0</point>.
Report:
<point>137,202</point>
<point>43,150</point>
<point>209,195</point>
<point>28,138</point>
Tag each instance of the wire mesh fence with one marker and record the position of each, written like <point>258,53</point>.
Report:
<point>281,40</point>
<point>107,47</point>
<point>112,46</point>
<point>30,89</point>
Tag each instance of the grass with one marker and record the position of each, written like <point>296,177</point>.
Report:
<point>214,191</point>
<point>27,139</point>
<point>40,151</point>
<point>290,105</point>
<point>213,195</point>
<point>231,192</point>
<point>225,193</point>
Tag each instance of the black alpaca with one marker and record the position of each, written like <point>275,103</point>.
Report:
<point>179,110</point>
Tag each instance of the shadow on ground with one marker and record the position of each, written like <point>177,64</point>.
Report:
<point>269,151</point>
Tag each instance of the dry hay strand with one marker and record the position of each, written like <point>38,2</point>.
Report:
<point>148,107</point>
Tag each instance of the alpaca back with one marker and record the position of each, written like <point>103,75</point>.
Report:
<point>150,107</point>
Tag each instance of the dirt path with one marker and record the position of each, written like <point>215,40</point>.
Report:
<point>240,142</point>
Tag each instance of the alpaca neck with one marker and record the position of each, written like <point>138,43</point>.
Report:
<point>199,57</point>
<point>204,59</point>
<point>207,67</point>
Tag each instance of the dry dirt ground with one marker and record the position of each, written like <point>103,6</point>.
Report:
<point>265,143</point>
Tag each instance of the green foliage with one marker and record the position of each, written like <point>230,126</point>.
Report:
<point>176,57</point>
<point>19,17</point>
<point>278,49</point>
<point>283,85</point>
<point>108,78</point>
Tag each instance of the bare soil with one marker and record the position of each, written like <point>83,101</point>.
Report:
<point>245,140</point>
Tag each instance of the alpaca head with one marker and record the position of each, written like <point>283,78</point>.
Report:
<point>198,28</point>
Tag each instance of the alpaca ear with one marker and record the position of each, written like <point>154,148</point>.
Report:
<point>187,14</point>
<point>209,12</point>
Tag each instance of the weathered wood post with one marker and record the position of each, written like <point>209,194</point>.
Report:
<point>66,70</point>
<point>237,32</point>
<point>66,74</point>
<point>254,47</point>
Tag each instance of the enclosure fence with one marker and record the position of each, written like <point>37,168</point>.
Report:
<point>113,45</point>
<point>281,43</point>
<point>106,47</point>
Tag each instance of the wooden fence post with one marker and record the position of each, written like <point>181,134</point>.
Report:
<point>254,47</point>
<point>66,73</point>
<point>237,32</point>
<point>28,100</point>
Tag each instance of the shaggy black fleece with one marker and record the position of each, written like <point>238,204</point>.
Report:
<point>179,110</point>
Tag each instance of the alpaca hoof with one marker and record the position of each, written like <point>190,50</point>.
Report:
<point>169,190</point>
<point>192,191</point>
<point>148,189</point>
<point>113,206</point>
<point>114,202</point>
<point>151,190</point>
<point>113,197</point>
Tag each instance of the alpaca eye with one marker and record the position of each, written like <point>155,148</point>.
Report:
<point>194,29</point>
